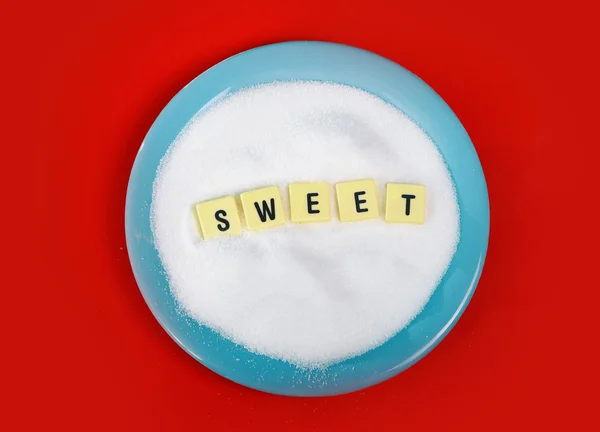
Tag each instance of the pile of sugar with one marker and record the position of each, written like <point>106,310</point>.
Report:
<point>310,294</point>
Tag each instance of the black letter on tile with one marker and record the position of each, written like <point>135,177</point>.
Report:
<point>358,202</point>
<point>408,198</point>
<point>266,211</point>
<point>220,216</point>
<point>311,203</point>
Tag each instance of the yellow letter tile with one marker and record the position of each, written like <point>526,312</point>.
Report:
<point>405,203</point>
<point>263,208</point>
<point>310,202</point>
<point>219,217</point>
<point>357,200</point>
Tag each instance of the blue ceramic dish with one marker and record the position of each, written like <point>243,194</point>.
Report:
<point>321,62</point>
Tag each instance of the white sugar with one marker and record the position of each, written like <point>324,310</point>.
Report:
<point>310,294</point>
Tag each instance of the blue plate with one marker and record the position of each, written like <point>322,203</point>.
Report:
<point>321,62</point>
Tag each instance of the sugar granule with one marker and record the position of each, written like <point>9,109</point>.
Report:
<point>310,294</point>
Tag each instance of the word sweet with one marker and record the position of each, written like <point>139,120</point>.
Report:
<point>310,202</point>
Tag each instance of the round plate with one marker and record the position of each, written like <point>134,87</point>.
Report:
<point>321,62</point>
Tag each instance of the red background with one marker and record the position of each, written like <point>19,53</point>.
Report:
<point>82,81</point>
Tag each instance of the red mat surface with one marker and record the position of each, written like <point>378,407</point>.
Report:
<point>83,81</point>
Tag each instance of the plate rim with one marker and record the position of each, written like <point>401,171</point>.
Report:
<point>323,384</point>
